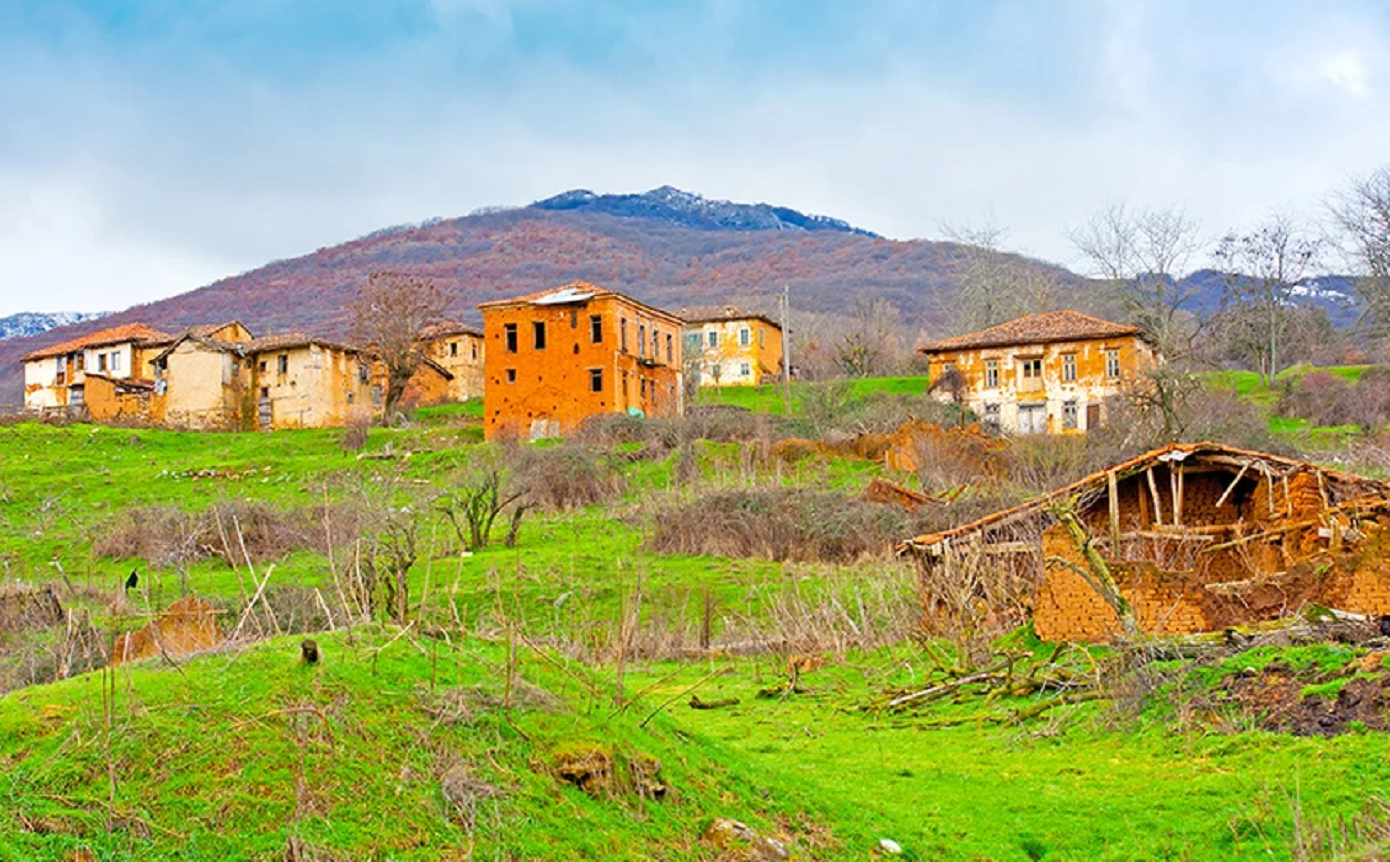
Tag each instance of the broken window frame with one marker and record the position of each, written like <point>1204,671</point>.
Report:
<point>670,348</point>
<point>622,336</point>
<point>538,334</point>
<point>991,373</point>
<point>596,380</point>
<point>282,364</point>
<point>641,339</point>
<point>595,329</point>
<point>712,338</point>
<point>511,375</point>
<point>115,360</point>
<point>1069,415</point>
<point>510,338</point>
<point>453,348</point>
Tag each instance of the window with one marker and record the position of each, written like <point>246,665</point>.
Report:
<point>641,339</point>
<point>1112,363</point>
<point>745,370</point>
<point>622,337</point>
<point>376,395</point>
<point>596,328</point>
<point>282,363</point>
<point>1069,367</point>
<point>475,350</point>
<point>511,375</point>
<point>643,387</point>
<point>538,334</point>
<point>762,337</point>
<point>101,362</point>
<point>509,335</point>
<point>265,391</point>
<point>81,360</point>
<point>116,362</point>
<point>991,373</point>
<point>1030,374</point>
<point>947,368</point>
<point>574,318</point>
<point>453,348</point>
<point>364,373</point>
<point>595,379</point>
<point>713,337</point>
<point>656,343</point>
<point>670,348</point>
<point>992,418</point>
<point>1069,415</point>
<point>745,337</point>
<point>350,398</point>
<point>261,366</point>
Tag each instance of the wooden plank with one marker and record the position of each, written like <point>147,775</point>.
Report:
<point>1176,492</point>
<point>1114,492</point>
<point>1153,489</point>
<point>1231,487</point>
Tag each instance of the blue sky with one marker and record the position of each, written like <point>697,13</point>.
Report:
<point>149,148</point>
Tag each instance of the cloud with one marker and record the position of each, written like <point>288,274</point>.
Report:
<point>1346,70</point>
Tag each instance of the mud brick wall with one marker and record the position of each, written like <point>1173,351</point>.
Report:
<point>1360,582</point>
<point>1067,609</point>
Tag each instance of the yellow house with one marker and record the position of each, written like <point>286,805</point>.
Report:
<point>458,349</point>
<point>200,381</point>
<point>55,377</point>
<point>1040,374</point>
<point>302,381</point>
<point>730,347</point>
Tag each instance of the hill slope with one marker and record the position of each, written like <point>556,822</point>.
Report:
<point>665,247</point>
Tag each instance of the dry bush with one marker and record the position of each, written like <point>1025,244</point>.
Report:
<point>1326,399</point>
<point>568,476</point>
<point>776,523</point>
<point>167,536</point>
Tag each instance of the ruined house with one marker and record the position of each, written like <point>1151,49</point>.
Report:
<point>1196,537</point>
<point>117,360</point>
<point>554,359</point>
<point>729,347</point>
<point>458,349</point>
<point>302,381</point>
<point>200,380</point>
<point>1040,374</point>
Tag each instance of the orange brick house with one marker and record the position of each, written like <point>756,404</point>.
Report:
<point>1041,374</point>
<point>555,358</point>
<point>1197,536</point>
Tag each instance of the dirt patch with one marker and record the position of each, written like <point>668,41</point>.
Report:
<point>601,773</point>
<point>1275,697</point>
<point>188,626</point>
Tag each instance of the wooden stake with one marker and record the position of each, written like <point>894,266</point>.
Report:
<point>1114,492</point>
<point>1231,487</point>
<point>1153,489</point>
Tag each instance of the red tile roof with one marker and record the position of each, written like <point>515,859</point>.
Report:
<point>575,291</point>
<point>1034,329</point>
<point>136,333</point>
<point>289,340</point>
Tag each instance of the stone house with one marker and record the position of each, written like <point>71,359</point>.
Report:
<point>56,377</point>
<point>458,349</point>
<point>1197,537</point>
<point>555,358</point>
<point>729,347</point>
<point>1040,374</point>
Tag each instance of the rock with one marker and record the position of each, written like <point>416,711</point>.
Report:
<point>726,833</point>
<point>889,846</point>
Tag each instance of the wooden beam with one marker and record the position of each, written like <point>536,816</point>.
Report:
<point>1113,490</point>
<point>1231,487</point>
<point>1176,491</point>
<point>1153,489</point>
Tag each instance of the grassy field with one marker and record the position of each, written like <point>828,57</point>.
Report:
<point>450,740</point>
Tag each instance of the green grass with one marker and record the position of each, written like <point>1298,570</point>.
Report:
<point>235,754</point>
<point>772,398</point>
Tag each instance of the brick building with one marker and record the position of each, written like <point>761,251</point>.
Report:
<point>553,359</point>
<point>1198,537</point>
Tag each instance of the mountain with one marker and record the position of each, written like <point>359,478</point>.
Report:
<point>666,247</point>
<point>1334,294</point>
<point>28,323</point>
<point>669,205</point>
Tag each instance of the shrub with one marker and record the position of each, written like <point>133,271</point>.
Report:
<point>777,523</point>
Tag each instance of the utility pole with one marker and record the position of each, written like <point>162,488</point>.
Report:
<point>786,307</point>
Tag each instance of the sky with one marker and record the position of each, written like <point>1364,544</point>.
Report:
<point>147,149</point>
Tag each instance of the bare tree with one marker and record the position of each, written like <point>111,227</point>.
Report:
<point>1143,255</point>
<point>389,312</point>
<point>996,286</point>
<point>1362,216</point>
<point>1263,270</point>
<point>870,344</point>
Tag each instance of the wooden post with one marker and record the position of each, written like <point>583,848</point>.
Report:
<point>1231,487</point>
<point>1113,489</point>
<point>1153,489</point>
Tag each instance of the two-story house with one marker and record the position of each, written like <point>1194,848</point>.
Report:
<point>458,348</point>
<point>56,377</point>
<point>1041,374</point>
<point>729,347</point>
<point>555,358</point>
